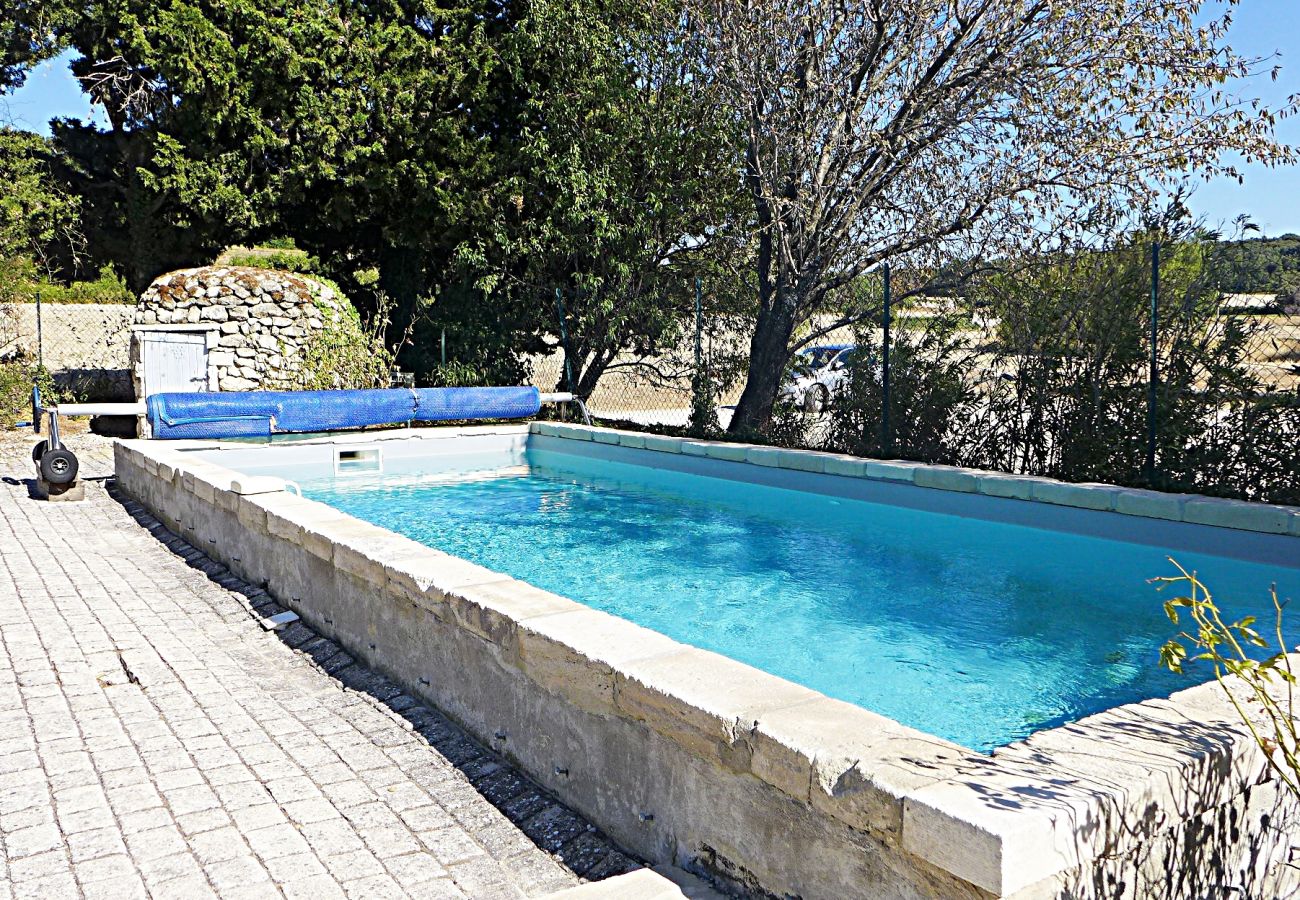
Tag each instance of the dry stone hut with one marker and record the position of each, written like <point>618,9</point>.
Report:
<point>226,328</point>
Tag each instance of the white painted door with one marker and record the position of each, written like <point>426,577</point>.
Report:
<point>174,361</point>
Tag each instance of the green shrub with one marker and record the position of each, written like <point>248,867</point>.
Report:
<point>1056,381</point>
<point>107,288</point>
<point>1255,672</point>
<point>929,392</point>
<point>345,354</point>
<point>282,260</point>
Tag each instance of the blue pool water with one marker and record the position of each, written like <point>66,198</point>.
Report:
<point>976,631</point>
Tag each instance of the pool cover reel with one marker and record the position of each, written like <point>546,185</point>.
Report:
<point>263,413</point>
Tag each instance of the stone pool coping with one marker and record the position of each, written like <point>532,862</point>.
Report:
<point>1195,509</point>
<point>1021,822</point>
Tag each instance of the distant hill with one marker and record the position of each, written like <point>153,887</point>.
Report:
<point>1259,265</point>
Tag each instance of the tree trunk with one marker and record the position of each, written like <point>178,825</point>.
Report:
<point>768,349</point>
<point>768,354</point>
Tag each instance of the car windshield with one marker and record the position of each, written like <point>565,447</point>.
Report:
<point>855,356</point>
<point>818,357</point>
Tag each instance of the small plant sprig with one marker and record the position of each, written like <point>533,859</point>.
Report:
<point>1270,683</point>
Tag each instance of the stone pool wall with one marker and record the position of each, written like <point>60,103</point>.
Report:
<point>687,757</point>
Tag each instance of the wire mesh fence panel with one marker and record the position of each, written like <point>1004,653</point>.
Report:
<point>1084,376</point>
<point>76,350</point>
<point>649,383</point>
<point>1046,372</point>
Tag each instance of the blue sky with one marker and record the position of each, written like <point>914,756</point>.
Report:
<point>1270,197</point>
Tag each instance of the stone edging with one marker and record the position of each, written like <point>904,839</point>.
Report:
<point>1040,812</point>
<point>1191,508</point>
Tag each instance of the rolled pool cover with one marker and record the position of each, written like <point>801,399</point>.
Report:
<point>263,413</point>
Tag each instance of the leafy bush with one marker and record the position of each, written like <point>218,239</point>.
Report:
<point>283,260</point>
<point>18,373</point>
<point>1266,705</point>
<point>1054,381</point>
<point>929,391</point>
<point>107,288</point>
<point>344,354</point>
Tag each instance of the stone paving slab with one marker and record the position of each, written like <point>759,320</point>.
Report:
<point>157,741</point>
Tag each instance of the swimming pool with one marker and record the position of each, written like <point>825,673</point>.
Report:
<point>909,590</point>
<point>980,632</point>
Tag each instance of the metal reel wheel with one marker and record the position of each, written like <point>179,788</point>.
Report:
<point>59,466</point>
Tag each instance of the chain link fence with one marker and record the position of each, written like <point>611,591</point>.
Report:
<point>694,369</point>
<point>1130,368</point>
<point>73,350</point>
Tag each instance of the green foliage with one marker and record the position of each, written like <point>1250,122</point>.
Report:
<point>107,288</point>
<point>1259,685</point>
<point>286,260</point>
<point>18,373</point>
<point>344,354</point>
<point>611,179</point>
<point>703,422</point>
<point>929,393</point>
<point>1044,370</point>
<point>38,219</point>
<point>234,119</point>
<point>1259,265</point>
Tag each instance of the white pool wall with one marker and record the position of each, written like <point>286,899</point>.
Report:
<point>687,757</point>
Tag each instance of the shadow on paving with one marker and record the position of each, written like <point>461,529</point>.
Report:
<point>574,843</point>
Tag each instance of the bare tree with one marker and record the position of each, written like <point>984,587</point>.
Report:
<point>926,130</point>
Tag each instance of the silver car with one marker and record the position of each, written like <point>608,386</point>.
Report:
<point>816,374</point>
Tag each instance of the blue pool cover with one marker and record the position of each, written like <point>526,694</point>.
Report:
<point>263,413</point>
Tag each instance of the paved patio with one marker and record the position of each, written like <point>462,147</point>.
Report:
<point>156,741</point>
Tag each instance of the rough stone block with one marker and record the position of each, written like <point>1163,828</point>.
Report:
<point>892,469</point>
<point>695,448</point>
<point>429,577</point>
<point>493,610</point>
<point>256,484</point>
<point>1016,487</point>
<point>1239,514</point>
<point>631,439</point>
<point>286,515</point>
<point>662,443</point>
<point>1081,496</point>
<point>251,513</point>
<point>994,840</point>
<point>708,704</point>
<point>730,452</point>
<point>947,478</point>
<point>571,432</point>
<point>1150,504</point>
<point>576,654</point>
<point>854,764</point>
<point>320,528</point>
<point>804,461</point>
<point>765,456</point>
<point>605,436</point>
<point>60,493</point>
<point>849,466</point>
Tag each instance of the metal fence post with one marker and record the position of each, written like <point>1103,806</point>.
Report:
<point>699,326</point>
<point>444,346</point>
<point>885,437</point>
<point>564,339</point>
<point>40,337</point>
<point>1153,375</point>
